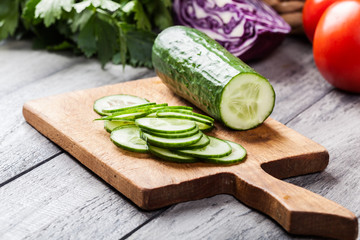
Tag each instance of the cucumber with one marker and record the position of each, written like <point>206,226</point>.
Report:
<point>169,155</point>
<point>186,108</point>
<point>238,154</point>
<point>185,115</point>
<point>111,125</point>
<point>200,70</point>
<point>115,109</point>
<point>171,142</point>
<point>174,135</point>
<point>204,141</point>
<point>215,149</point>
<point>125,116</point>
<point>119,100</point>
<point>204,127</point>
<point>128,138</point>
<point>165,125</point>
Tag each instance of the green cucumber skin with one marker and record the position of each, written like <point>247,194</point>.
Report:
<point>196,67</point>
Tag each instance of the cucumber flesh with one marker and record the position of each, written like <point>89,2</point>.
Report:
<point>204,127</point>
<point>171,142</point>
<point>165,125</point>
<point>169,155</point>
<point>174,135</point>
<point>177,110</point>
<point>204,141</point>
<point>125,116</point>
<point>111,125</point>
<point>238,154</point>
<point>120,100</point>
<point>216,148</point>
<point>186,108</point>
<point>247,100</point>
<point>119,109</point>
<point>139,108</point>
<point>128,138</point>
<point>183,115</point>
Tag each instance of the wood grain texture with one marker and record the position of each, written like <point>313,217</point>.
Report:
<point>41,74</point>
<point>62,200</point>
<point>278,149</point>
<point>333,121</point>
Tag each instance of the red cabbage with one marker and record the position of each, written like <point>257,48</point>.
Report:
<point>249,29</point>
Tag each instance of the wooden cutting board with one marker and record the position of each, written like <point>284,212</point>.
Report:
<point>274,151</point>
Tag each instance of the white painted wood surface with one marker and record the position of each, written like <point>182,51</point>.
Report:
<point>46,194</point>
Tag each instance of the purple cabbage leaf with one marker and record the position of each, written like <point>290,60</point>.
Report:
<point>249,29</point>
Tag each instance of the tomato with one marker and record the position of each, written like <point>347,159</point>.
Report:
<point>336,45</point>
<point>312,11</point>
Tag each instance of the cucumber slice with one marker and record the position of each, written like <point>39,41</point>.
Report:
<point>165,125</point>
<point>247,100</point>
<point>174,135</point>
<point>204,141</point>
<point>204,127</point>
<point>145,109</point>
<point>238,154</point>
<point>125,116</point>
<point>120,100</point>
<point>216,148</point>
<point>111,125</point>
<point>183,115</point>
<point>120,109</point>
<point>186,108</point>
<point>171,142</point>
<point>128,137</point>
<point>151,115</point>
<point>186,111</point>
<point>169,155</point>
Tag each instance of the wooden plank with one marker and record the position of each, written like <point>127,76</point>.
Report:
<point>21,65</point>
<point>151,184</point>
<point>333,122</point>
<point>21,146</point>
<point>62,200</point>
<point>31,148</point>
<point>291,56</point>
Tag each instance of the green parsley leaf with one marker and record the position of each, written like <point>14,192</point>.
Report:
<point>9,16</point>
<point>103,4</point>
<point>79,20</point>
<point>50,10</point>
<point>87,38</point>
<point>99,36</point>
<point>139,44</point>
<point>134,6</point>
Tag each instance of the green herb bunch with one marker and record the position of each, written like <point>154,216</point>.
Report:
<point>121,31</point>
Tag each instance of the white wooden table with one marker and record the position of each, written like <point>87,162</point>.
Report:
<point>47,194</point>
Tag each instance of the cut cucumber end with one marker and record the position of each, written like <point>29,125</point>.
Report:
<point>247,100</point>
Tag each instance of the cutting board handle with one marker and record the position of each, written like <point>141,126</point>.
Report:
<point>298,210</point>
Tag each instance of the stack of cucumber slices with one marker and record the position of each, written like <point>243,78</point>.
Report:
<point>172,133</point>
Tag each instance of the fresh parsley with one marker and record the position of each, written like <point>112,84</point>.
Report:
<point>121,31</point>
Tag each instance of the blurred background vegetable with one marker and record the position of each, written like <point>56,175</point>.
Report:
<point>121,31</point>
<point>249,29</point>
<point>337,45</point>
<point>312,11</point>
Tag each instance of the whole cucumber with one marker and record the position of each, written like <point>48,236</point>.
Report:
<point>203,72</point>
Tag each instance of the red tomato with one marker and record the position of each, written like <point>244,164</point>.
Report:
<point>337,45</point>
<point>312,11</point>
